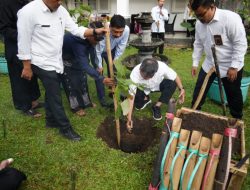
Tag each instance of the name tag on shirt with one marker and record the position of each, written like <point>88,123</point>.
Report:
<point>218,40</point>
<point>45,25</point>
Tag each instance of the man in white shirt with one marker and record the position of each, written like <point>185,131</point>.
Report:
<point>152,76</point>
<point>159,15</point>
<point>119,34</point>
<point>224,29</point>
<point>41,25</point>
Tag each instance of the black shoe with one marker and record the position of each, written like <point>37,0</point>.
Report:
<point>143,104</point>
<point>106,104</point>
<point>70,134</point>
<point>156,112</point>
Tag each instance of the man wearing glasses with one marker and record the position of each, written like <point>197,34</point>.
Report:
<point>224,29</point>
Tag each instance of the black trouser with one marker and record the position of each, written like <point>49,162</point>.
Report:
<point>105,57</point>
<point>160,36</point>
<point>167,89</point>
<point>11,178</point>
<point>232,90</point>
<point>23,91</point>
<point>76,88</point>
<point>55,114</point>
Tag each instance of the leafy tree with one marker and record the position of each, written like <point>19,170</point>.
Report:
<point>81,13</point>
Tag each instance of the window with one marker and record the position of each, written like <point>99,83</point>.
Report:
<point>178,5</point>
<point>92,3</point>
<point>100,6</point>
<point>78,2</point>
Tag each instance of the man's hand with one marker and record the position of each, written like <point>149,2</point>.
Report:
<point>194,71</point>
<point>182,96</point>
<point>101,30</point>
<point>92,32</point>
<point>129,126</point>
<point>27,71</point>
<point>158,24</point>
<point>161,13</point>
<point>100,70</point>
<point>109,82</point>
<point>5,163</point>
<point>232,74</point>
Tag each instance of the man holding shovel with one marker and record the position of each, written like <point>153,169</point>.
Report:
<point>41,26</point>
<point>224,30</point>
<point>152,76</point>
<point>119,34</point>
<point>76,54</point>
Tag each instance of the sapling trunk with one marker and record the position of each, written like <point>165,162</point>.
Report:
<point>73,179</point>
<point>110,64</point>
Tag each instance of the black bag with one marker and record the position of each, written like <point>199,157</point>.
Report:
<point>11,178</point>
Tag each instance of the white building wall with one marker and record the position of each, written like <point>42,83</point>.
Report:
<point>123,8</point>
<point>113,5</point>
<point>138,6</point>
<point>179,20</point>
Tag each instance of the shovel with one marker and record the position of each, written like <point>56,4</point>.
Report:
<point>219,80</point>
<point>203,87</point>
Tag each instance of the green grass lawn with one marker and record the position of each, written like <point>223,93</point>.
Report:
<point>50,161</point>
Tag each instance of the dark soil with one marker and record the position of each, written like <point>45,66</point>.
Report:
<point>208,126</point>
<point>142,136</point>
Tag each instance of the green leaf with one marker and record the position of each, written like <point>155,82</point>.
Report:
<point>187,25</point>
<point>125,107</point>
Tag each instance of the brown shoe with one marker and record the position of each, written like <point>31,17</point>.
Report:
<point>33,113</point>
<point>80,113</point>
<point>37,105</point>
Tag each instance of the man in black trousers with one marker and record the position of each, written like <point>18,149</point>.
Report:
<point>24,93</point>
<point>224,30</point>
<point>41,26</point>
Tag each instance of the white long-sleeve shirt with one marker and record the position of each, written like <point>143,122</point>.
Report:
<point>155,13</point>
<point>152,84</point>
<point>229,26</point>
<point>40,35</point>
<point>118,43</point>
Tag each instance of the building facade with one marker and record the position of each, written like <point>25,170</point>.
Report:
<point>128,7</point>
